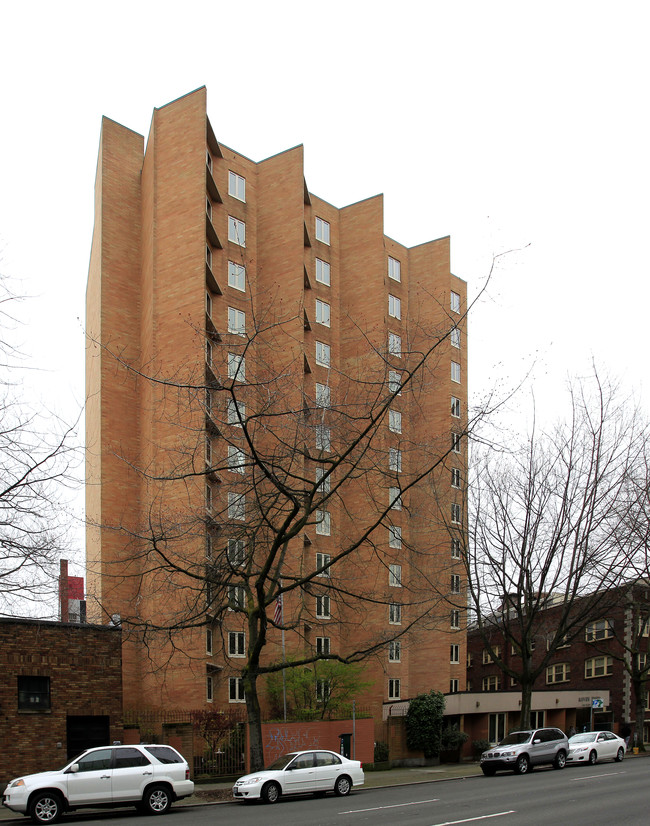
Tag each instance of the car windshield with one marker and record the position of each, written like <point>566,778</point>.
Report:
<point>586,737</point>
<point>516,738</point>
<point>281,762</point>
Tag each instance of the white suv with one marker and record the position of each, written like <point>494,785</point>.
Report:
<point>149,777</point>
<point>521,750</point>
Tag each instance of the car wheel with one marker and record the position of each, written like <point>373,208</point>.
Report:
<point>157,800</point>
<point>488,771</point>
<point>45,807</point>
<point>343,785</point>
<point>522,765</point>
<point>560,760</point>
<point>620,754</point>
<point>271,792</point>
<point>593,757</point>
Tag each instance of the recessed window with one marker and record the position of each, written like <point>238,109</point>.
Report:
<point>208,640</point>
<point>454,653</point>
<point>323,523</point>
<point>208,546</point>
<point>558,673</point>
<point>236,321</point>
<point>208,352</point>
<point>393,689</point>
<point>394,269</point>
<point>322,312</point>
<point>235,412</point>
<point>455,442</point>
<point>454,337</point>
<point>209,689</point>
<point>34,693</point>
<point>492,683</point>
<point>323,561</point>
<point>454,619</point>
<point>394,651</point>
<point>323,396</point>
<point>394,307</point>
<point>208,159</point>
<point>395,536</point>
<point>208,450</point>
<point>208,401</point>
<point>208,304</point>
<point>487,654</point>
<point>236,276</point>
<point>322,272</point>
<point>395,576</point>
<point>455,584</point>
<point>455,371</point>
<point>394,382</point>
<point>322,231</point>
<point>236,552</point>
<point>395,459</point>
<point>208,497</point>
<point>455,513</point>
<point>236,367</point>
<point>236,596</point>
<point>395,345</point>
<point>599,667</point>
<point>395,499</point>
<point>236,690</point>
<point>454,302</point>
<point>323,645</point>
<point>236,186</point>
<point>455,477</point>
<point>395,421</point>
<point>323,607</point>
<point>322,354</point>
<point>455,407</point>
<point>237,506</point>
<point>208,256</point>
<point>236,231</point>
<point>236,459</point>
<point>455,548</point>
<point>236,644</point>
<point>323,481</point>
<point>208,208</point>
<point>323,437</point>
<point>454,686</point>
<point>395,613</point>
<point>600,630</point>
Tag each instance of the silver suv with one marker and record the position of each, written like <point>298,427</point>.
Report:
<point>148,777</point>
<point>521,750</point>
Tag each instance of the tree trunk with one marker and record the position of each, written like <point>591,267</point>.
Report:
<point>255,743</point>
<point>526,704</point>
<point>639,687</point>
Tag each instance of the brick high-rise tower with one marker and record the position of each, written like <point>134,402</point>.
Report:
<point>222,292</point>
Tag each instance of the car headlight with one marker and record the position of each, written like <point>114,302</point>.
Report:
<point>249,781</point>
<point>507,754</point>
<point>579,748</point>
<point>15,783</point>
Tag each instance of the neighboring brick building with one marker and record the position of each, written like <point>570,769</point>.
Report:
<point>195,249</point>
<point>60,692</point>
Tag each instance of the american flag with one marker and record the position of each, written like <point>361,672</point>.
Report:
<point>277,616</point>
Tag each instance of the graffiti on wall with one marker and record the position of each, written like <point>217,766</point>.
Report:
<point>281,739</point>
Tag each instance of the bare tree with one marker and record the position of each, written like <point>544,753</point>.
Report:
<point>544,518</point>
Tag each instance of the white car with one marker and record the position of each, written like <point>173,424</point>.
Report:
<point>300,772</point>
<point>592,746</point>
<point>149,777</point>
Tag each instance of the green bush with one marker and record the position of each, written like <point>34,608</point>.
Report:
<point>381,752</point>
<point>479,747</point>
<point>424,723</point>
<point>452,738</point>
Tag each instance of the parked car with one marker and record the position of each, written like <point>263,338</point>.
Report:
<point>521,750</point>
<point>149,777</point>
<point>300,772</point>
<point>592,746</point>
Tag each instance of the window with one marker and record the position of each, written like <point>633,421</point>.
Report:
<point>455,477</point>
<point>393,689</point>
<point>322,354</point>
<point>208,546</point>
<point>95,761</point>
<point>455,337</point>
<point>208,256</point>
<point>395,499</point>
<point>599,630</point>
<point>323,607</point>
<point>455,548</point>
<point>323,439</point>
<point>487,656</point>
<point>394,651</point>
<point>322,645</point>
<point>208,352</point>
<point>455,513</point>
<point>322,312</point>
<point>236,412</point>
<point>208,207</point>
<point>394,269</point>
<point>395,421</point>
<point>395,613</point>
<point>208,401</point>
<point>322,231</point>
<point>236,276</point>
<point>395,459</point>
<point>537,719</point>
<point>644,626</point>
<point>323,690</point>
<point>395,576</point>
<point>236,596</point>
<point>236,321</point>
<point>454,653</point>
<point>455,584</point>
<point>236,367</point>
<point>454,302</point>
<point>455,407</point>
<point>322,272</point>
<point>323,523</point>
<point>208,497</point>
<point>454,686</point>
<point>641,661</point>
<point>394,307</point>
<point>236,690</point>
<point>323,481</point>
<point>208,689</point>
<point>236,186</point>
<point>395,345</point>
<point>394,382</point>
<point>236,231</point>
<point>208,451</point>
<point>455,371</point>
<point>492,683</point>
<point>558,673</point>
<point>237,644</point>
<point>323,397</point>
<point>236,459</point>
<point>33,693</point>
<point>208,640</point>
<point>454,618</point>
<point>208,159</point>
<point>208,304</point>
<point>599,667</point>
<point>323,561</point>
<point>496,726</point>
<point>455,442</point>
<point>470,659</point>
<point>395,536</point>
<point>237,506</point>
<point>236,552</point>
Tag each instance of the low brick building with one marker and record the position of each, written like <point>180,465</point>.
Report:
<point>60,692</point>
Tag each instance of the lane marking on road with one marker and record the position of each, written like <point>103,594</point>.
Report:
<point>474,819</point>
<point>595,776</point>
<point>392,806</point>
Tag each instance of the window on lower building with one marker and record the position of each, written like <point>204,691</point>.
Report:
<point>641,661</point>
<point>322,231</point>
<point>492,683</point>
<point>455,548</point>
<point>323,645</point>
<point>208,641</point>
<point>394,651</point>
<point>454,619</point>
<point>209,689</point>
<point>599,667</point>
<point>236,643</point>
<point>455,442</point>
<point>323,607</point>
<point>455,584</point>
<point>496,726</point>
<point>558,673</point>
<point>33,693</point>
<point>600,630</point>
<point>236,690</point>
<point>394,689</point>
<point>322,272</point>
<point>537,719</point>
<point>323,690</point>
<point>455,477</point>
<point>236,276</point>
<point>455,513</point>
<point>236,231</point>
<point>208,497</point>
<point>454,686</point>
<point>395,576</point>
<point>454,653</point>
<point>395,613</point>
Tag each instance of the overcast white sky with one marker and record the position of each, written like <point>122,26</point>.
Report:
<point>503,124</point>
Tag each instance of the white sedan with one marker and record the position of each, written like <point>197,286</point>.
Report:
<point>301,772</point>
<point>592,746</point>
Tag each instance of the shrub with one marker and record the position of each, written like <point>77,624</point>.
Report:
<point>479,747</point>
<point>452,738</point>
<point>381,752</point>
<point>424,723</point>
